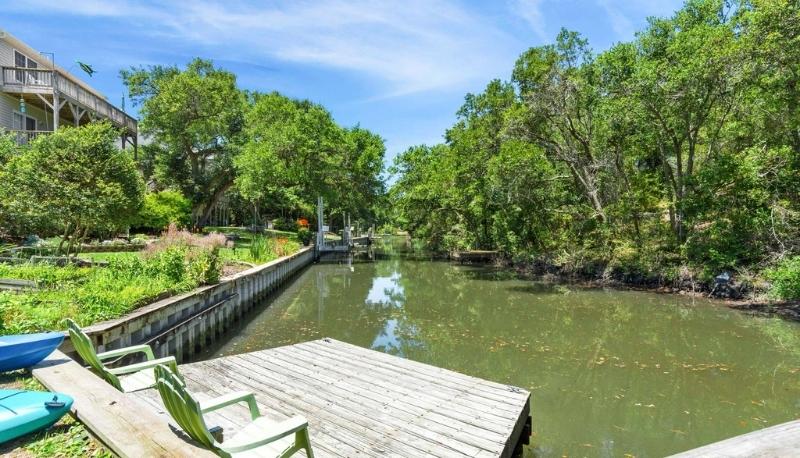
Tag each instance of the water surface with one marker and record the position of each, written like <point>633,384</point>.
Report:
<point>611,372</point>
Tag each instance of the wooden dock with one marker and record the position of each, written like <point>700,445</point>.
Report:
<point>479,256</point>
<point>776,441</point>
<point>361,402</point>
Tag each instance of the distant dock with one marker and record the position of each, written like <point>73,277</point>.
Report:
<point>480,256</point>
<point>358,402</point>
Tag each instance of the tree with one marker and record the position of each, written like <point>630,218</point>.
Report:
<point>74,180</point>
<point>195,117</point>
<point>420,196</point>
<point>8,149</point>
<point>683,81</point>
<point>474,140</point>
<point>294,151</point>
<point>163,208</point>
<point>678,148</point>
<point>561,98</point>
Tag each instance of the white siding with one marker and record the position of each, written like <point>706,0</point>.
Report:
<point>6,108</point>
<point>10,104</point>
<point>6,54</point>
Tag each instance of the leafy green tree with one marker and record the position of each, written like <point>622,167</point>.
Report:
<point>8,148</point>
<point>474,140</point>
<point>561,98</point>
<point>195,117</point>
<point>684,82</point>
<point>418,196</point>
<point>73,181</point>
<point>294,152</point>
<point>163,208</point>
<point>678,148</point>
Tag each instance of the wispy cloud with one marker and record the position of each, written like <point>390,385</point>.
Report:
<point>627,16</point>
<point>531,12</point>
<point>410,46</point>
<point>620,24</point>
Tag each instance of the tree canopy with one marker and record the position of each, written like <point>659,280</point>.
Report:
<point>72,181</point>
<point>678,147</point>
<point>214,142</point>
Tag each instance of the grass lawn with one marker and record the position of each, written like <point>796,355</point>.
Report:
<point>68,438</point>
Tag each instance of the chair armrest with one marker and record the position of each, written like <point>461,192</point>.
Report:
<point>229,399</point>
<point>148,352</point>
<point>168,361</point>
<point>265,436</point>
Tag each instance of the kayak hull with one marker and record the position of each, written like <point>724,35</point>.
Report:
<point>26,350</point>
<point>24,412</point>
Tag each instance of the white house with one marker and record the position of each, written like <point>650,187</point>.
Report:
<point>36,97</point>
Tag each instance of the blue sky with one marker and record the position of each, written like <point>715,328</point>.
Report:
<point>399,68</point>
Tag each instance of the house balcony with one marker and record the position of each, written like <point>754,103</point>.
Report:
<point>52,89</point>
<point>23,137</point>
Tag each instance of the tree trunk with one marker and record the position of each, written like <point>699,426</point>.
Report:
<point>205,210</point>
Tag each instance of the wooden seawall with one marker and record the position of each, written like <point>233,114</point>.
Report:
<point>361,402</point>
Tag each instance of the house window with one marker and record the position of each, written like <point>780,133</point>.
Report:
<point>23,122</point>
<point>23,61</point>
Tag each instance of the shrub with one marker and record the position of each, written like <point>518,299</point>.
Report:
<point>285,224</point>
<point>304,235</point>
<point>71,182</point>
<point>785,278</point>
<point>282,247</point>
<point>183,256</point>
<point>205,266</point>
<point>162,209</point>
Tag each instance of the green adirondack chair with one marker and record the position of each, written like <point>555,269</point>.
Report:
<point>133,377</point>
<point>262,437</point>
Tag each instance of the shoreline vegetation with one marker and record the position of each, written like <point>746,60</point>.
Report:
<point>667,161</point>
<point>746,297</point>
<point>176,262</point>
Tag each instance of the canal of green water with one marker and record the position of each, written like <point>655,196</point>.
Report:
<point>610,372</point>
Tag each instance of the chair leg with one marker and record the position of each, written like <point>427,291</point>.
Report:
<point>306,441</point>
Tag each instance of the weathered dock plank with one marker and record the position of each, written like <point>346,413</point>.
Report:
<point>776,441</point>
<point>364,403</point>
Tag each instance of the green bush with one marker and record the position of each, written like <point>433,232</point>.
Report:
<point>205,266</point>
<point>785,278</point>
<point>285,224</point>
<point>304,236</point>
<point>162,209</point>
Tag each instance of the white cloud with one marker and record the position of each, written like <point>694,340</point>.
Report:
<point>531,12</point>
<point>410,46</point>
<point>622,26</point>
<point>622,14</point>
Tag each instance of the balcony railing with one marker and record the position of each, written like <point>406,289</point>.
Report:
<point>43,79</point>
<point>23,137</point>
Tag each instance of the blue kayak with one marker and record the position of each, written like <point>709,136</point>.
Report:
<point>25,350</point>
<point>23,412</point>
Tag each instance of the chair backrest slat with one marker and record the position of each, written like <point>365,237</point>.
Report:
<point>185,410</point>
<point>83,345</point>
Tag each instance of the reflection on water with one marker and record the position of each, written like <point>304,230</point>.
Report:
<point>611,372</point>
